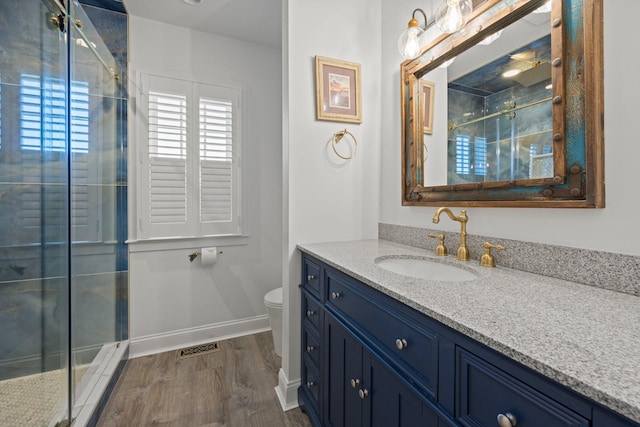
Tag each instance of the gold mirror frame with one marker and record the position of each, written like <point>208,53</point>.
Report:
<point>577,108</point>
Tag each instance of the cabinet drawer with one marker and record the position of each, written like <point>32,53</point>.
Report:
<point>311,277</point>
<point>484,392</point>
<point>413,347</point>
<point>311,383</point>
<point>310,311</point>
<point>311,346</point>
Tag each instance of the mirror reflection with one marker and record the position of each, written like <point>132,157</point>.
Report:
<point>496,113</point>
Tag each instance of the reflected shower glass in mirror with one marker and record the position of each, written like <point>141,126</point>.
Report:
<point>495,114</point>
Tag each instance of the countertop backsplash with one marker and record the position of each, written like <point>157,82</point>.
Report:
<point>607,270</point>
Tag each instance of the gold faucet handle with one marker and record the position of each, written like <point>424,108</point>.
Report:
<point>441,250</point>
<point>487,259</point>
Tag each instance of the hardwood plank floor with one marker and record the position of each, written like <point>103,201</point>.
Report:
<point>233,387</point>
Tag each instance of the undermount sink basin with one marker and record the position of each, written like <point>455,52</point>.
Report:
<point>425,268</point>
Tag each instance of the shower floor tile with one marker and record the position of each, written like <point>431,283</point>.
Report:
<point>32,400</point>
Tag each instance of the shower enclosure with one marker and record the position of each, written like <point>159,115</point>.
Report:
<point>63,260</point>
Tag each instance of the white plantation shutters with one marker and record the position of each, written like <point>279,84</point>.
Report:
<point>218,149</point>
<point>191,187</point>
<point>167,178</point>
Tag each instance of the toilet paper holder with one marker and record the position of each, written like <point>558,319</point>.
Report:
<point>195,255</point>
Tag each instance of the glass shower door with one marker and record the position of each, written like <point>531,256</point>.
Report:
<point>34,299</point>
<point>94,158</point>
<point>62,251</point>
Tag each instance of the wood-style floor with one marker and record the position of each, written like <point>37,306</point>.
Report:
<point>233,387</point>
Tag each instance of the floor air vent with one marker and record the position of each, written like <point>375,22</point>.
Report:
<point>198,350</point>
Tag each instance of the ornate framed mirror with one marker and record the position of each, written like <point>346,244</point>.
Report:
<point>516,120</point>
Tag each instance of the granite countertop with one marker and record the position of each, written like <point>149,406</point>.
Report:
<point>584,337</point>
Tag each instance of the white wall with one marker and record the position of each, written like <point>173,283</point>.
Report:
<point>610,229</point>
<point>325,201</point>
<point>174,302</point>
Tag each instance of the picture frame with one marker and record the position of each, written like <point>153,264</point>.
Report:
<point>427,90</point>
<point>338,90</point>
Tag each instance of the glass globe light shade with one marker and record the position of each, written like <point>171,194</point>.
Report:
<point>409,42</point>
<point>453,14</point>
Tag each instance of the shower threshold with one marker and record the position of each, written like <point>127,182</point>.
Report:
<point>93,389</point>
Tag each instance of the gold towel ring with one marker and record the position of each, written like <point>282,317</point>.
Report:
<point>337,137</point>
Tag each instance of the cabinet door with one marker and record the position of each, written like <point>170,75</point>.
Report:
<point>389,402</point>
<point>344,357</point>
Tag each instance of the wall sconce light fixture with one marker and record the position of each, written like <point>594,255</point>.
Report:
<point>409,44</point>
<point>453,14</point>
<point>450,17</point>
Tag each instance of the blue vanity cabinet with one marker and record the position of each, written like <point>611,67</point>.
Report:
<point>310,392</point>
<point>370,360</point>
<point>364,391</point>
<point>411,345</point>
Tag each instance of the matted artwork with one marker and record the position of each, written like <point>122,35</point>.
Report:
<point>338,96</point>
<point>426,93</point>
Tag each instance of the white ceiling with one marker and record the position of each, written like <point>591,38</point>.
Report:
<point>253,21</point>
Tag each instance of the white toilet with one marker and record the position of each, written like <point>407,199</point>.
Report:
<point>273,302</point>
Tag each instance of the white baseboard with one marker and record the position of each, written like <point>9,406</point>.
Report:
<point>173,340</point>
<point>287,391</point>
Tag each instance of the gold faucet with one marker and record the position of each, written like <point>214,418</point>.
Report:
<point>441,250</point>
<point>463,251</point>
<point>487,259</point>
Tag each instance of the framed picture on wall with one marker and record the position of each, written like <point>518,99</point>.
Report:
<point>338,96</point>
<point>426,92</point>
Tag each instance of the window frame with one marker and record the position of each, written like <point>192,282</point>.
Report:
<point>193,229</point>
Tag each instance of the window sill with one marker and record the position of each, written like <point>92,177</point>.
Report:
<point>172,243</point>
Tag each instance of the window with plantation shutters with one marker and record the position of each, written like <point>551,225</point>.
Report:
<point>190,183</point>
<point>216,159</point>
<point>167,158</point>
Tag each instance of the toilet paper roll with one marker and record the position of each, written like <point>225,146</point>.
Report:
<point>209,256</point>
